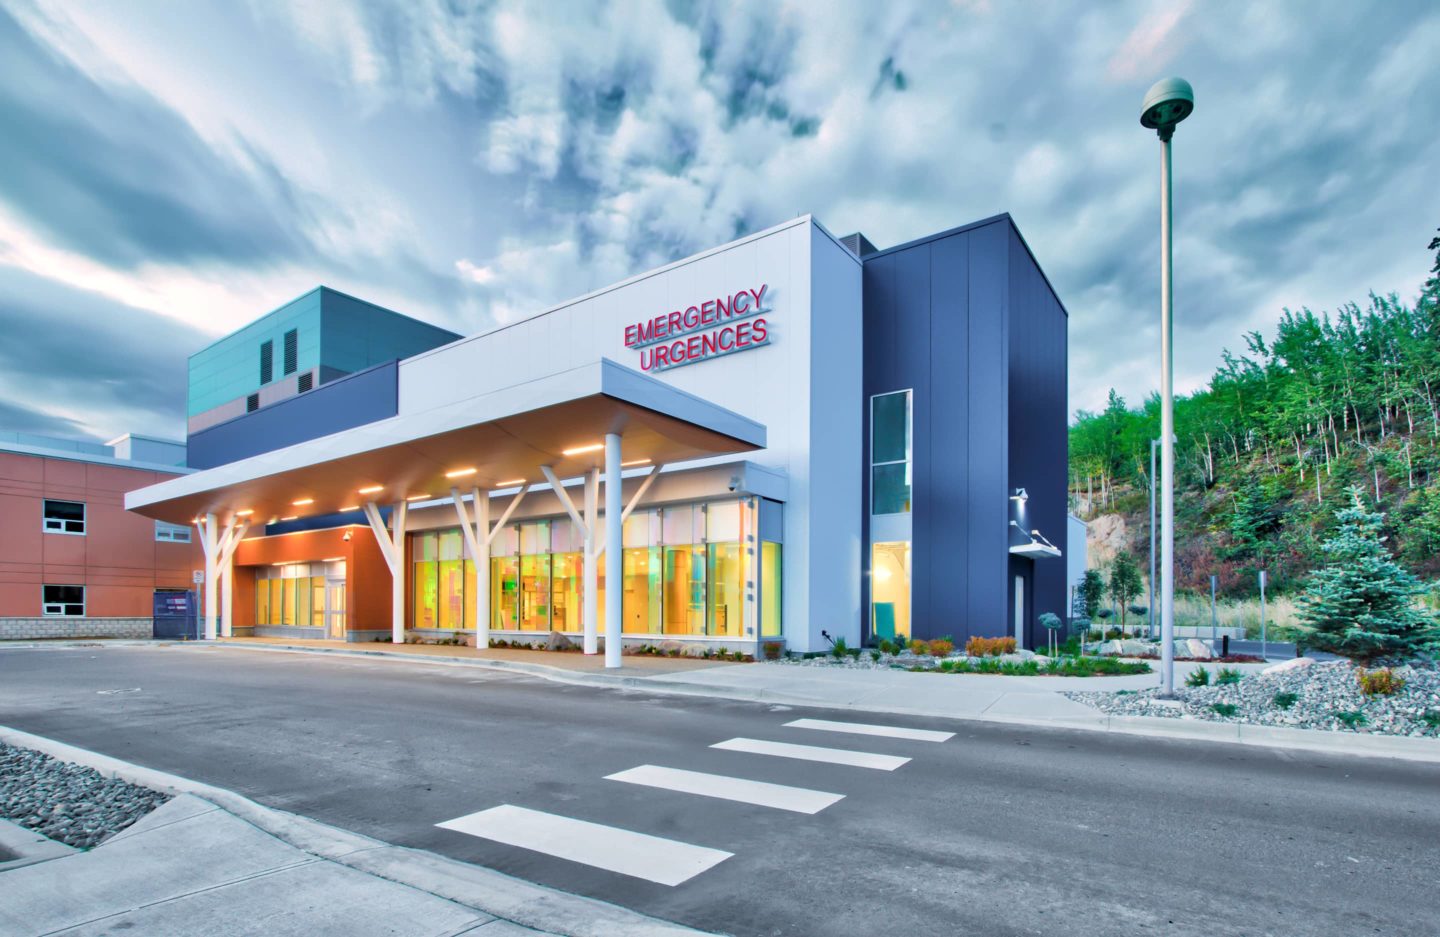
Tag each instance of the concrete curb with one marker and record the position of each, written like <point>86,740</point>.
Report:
<point>29,846</point>
<point>1407,748</point>
<point>486,890</point>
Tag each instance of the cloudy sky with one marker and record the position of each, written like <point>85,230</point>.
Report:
<point>171,170</point>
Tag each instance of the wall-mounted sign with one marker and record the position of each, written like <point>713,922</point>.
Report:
<point>710,329</point>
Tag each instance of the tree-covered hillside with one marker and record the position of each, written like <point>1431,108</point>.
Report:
<point>1265,452</point>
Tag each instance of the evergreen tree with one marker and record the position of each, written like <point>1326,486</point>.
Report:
<point>1092,592</point>
<point>1361,604</point>
<point>1124,582</point>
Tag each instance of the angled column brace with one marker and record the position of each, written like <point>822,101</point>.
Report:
<point>634,500</point>
<point>225,568</point>
<point>564,497</point>
<point>209,544</point>
<point>392,547</point>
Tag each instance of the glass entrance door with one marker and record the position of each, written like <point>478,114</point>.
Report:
<point>335,609</point>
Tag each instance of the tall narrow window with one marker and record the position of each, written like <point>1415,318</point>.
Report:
<point>890,453</point>
<point>890,590</point>
<point>267,362</point>
<point>292,351</point>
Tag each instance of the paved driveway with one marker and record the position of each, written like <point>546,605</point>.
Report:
<point>705,812</point>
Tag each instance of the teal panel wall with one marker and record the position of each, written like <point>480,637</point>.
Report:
<point>230,367</point>
<point>356,335</point>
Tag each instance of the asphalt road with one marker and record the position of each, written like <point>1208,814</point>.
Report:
<point>997,831</point>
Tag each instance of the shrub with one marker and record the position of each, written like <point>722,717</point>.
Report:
<point>919,648</point>
<point>941,647</point>
<point>1379,682</point>
<point>770,649</point>
<point>875,656</point>
<point>1226,676</point>
<point>1285,700</point>
<point>1225,709</point>
<point>1050,621</point>
<point>839,649</point>
<point>1114,633</point>
<point>1105,614</point>
<point>888,647</point>
<point>1431,718</point>
<point>1351,717</point>
<point>989,647</point>
<point>1198,677</point>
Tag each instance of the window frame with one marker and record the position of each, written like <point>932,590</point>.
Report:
<point>46,520</point>
<point>171,531</point>
<point>45,607</point>
<point>909,459</point>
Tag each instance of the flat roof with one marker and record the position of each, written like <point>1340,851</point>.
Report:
<point>504,435</point>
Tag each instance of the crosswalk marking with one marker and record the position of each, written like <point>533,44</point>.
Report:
<point>664,861</point>
<point>864,728</point>
<point>743,790</point>
<point>832,756</point>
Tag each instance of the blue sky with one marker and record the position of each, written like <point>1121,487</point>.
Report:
<point>169,170</point>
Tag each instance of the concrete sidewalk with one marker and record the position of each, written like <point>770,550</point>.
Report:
<point>211,861</point>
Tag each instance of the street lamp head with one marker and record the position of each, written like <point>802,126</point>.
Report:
<point>1168,102</point>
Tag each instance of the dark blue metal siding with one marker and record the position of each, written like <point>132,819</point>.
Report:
<point>935,315</point>
<point>351,401</point>
<point>1038,408</point>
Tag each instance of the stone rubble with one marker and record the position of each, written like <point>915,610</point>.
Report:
<point>1323,689</point>
<point>76,805</point>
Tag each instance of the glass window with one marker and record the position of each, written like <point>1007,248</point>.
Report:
<point>890,590</point>
<point>277,601</point>
<point>565,573</point>
<point>726,590</point>
<point>471,595</point>
<point>683,525</point>
<point>722,521</point>
<point>641,603</point>
<point>317,601</point>
<point>262,602</point>
<point>450,584</point>
<point>564,537</point>
<point>287,610</point>
<point>173,533</point>
<point>891,425</point>
<point>684,589</point>
<point>302,600</point>
<point>66,601</point>
<point>64,517</point>
<point>535,592</point>
<point>771,590</point>
<point>535,537</point>
<point>504,591</point>
<point>641,529</point>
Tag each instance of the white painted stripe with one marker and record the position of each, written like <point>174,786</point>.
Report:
<point>664,861</point>
<point>830,756</point>
<point>864,728</point>
<point>760,793</point>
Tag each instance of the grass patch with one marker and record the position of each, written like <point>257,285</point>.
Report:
<point>1227,676</point>
<point>1059,667</point>
<point>1198,677</point>
<point>1431,718</point>
<point>1285,700</point>
<point>1225,709</point>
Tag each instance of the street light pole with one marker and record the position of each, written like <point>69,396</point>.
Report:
<point>1153,444</point>
<point>1166,104</point>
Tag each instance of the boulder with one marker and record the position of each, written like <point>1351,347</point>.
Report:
<point>1113,648</point>
<point>1135,648</point>
<point>1294,663</point>
<point>1193,647</point>
<point>558,642</point>
<point>672,647</point>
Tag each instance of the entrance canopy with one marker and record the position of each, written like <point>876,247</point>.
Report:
<point>496,440</point>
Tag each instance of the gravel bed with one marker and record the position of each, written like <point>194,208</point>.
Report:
<point>67,802</point>
<point>1322,691</point>
<point>905,660</point>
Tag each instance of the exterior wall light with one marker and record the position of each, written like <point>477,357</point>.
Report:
<point>1020,495</point>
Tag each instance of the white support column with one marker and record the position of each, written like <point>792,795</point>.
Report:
<point>614,509</point>
<point>392,547</point>
<point>225,567</point>
<point>590,600</point>
<point>477,540</point>
<point>209,543</point>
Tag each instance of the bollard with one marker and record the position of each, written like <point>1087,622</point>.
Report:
<point>1225,645</point>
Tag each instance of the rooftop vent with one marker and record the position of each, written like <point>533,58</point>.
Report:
<point>859,244</point>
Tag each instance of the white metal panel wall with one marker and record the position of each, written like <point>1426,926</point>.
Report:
<point>771,384</point>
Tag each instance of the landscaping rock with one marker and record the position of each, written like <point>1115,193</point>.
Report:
<point>672,647</point>
<point>76,805</point>
<point>558,642</point>
<point>1194,647</point>
<point>1136,648</point>
<point>1294,663</point>
<point>1322,691</point>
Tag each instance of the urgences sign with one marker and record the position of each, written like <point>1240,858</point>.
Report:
<point>716,327</point>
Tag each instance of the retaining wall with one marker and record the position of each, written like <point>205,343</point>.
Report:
<point>18,629</point>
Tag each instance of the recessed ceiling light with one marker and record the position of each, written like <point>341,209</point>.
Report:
<point>372,489</point>
<point>416,497</point>
<point>290,518</point>
<point>460,473</point>
<point>636,462</point>
<point>245,513</point>
<point>351,507</point>
<point>578,450</point>
<point>511,483</point>
<point>302,502</point>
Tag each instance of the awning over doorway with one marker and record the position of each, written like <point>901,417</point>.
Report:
<point>559,420</point>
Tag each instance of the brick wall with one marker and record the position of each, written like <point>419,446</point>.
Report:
<point>19,629</point>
